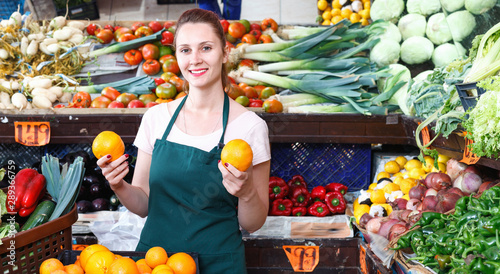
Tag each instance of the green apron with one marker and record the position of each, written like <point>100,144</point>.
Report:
<point>189,208</point>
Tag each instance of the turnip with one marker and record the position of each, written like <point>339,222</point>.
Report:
<point>468,183</point>
<point>473,169</point>
<point>454,168</point>
<point>429,203</point>
<point>412,204</point>
<point>437,180</point>
<point>417,192</point>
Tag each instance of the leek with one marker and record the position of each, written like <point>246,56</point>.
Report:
<point>64,184</point>
<point>136,85</point>
<point>127,45</point>
<point>299,99</point>
<point>318,63</point>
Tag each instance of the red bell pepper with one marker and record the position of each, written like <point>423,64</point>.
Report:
<point>335,202</point>
<point>336,187</point>
<point>299,211</point>
<point>278,189</point>
<point>297,180</point>
<point>29,187</point>
<point>281,207</point>
<point>318,209</point>
<point>300,196</point>
<point>318,193</point>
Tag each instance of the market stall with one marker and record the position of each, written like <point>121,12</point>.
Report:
<point>346,120</point>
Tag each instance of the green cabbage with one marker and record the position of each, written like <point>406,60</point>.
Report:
<point>385,52</point>
<point>461,24</point>
<point>423,7</point>
<point>444,54</point>
<point>389,10</point>
<point>452,5</point>
<point>437,29</point>
<point>479,6</point>
<point>416,50</point>
<point>391,32</point>
<point>412,25</point>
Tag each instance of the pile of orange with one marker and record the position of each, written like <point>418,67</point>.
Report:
<point>238,153</point>
<point>98,259</point>
<point>108,143</point>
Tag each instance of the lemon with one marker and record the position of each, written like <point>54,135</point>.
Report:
<point>337,19</point>
<point>364,22</point>
<point>443,158</point>
<point>346,13</point>
<point>401,160</point>
<point>383,174</point>
<point>417,173</point>
<point>389,188</point>
<point>413,163</point>
<point>398,180</point>
<point>365,14</point>
<point>369,191</point>
<point>367,5</point>
<point>327,15</point>
<point>391,167</point>
<point>442,168</point>
<point>429,164</point>
<point>397,174</point>
<point>322,4</point>
<point>335,12</point>
<point>360,210</point>
<point>355,204</point>
<point>407,184</point>
<point>372,186</point>
<point>377,196</point>
<point>326,23</point>
<point>354,18</point>
<point>336,4</point>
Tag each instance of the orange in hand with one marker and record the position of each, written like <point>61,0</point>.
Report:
<point>108,142</point>
<point>238,153</point>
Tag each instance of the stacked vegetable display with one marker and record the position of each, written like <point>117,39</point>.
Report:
<point>292,198</point>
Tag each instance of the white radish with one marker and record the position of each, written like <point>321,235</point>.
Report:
<point>47,41</point>
<point>12,85</point>
<point>4,23</point>
<point>73,30</point>
<point>44,49</point>
<point>76,24</point>
<point>52,48</point>
<point>66,97</point>
<point>76,39</point>
<point>41,101</point>
<point>44,92</point>
<point>5,98</point>
<point>24,45</point>
<point>32,48</point>
<point>58,91</point>
<point>19,100</point>
<point>62,34</point>
<point>2,106</point>
<point>39,82</point>
<point>58,22</point>
<point>36,36</point>
<point>4,54</point>
<point>16,19</point>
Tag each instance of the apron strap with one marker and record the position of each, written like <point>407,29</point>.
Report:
<point>225,117</point>
<point>174,117</point>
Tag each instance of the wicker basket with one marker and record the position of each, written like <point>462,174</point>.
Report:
<point>26,250</point>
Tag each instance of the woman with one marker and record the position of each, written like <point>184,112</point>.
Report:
<point>192,201</point>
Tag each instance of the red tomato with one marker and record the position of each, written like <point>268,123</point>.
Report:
<point>100,102</point>
<point>237,29</point>
<point>166,57</point>
<point>167,38</point>
<point>105,36</point>
<point>151,67</point>
<point>146,98</point>
<point>143,31</point>
<point>265,38</point>
<point>231,80</point>
<point>159,81</point>
<point>166,76</point>
<point>230,38</point>
<point>126,37</point>
<point>126,98</point>
<point>255,26</point>
<point>166,91</point>
<point>111,28</point>
<point>272,106</point>
<point>269,23</point>
<point>155,26</point>
<point>249,39</point>
<point>59,106</point>
<point>225,25</point>
<point>255,32</point>
<point>255,103</point>
<point>229,45</point>
<point>81,99</point>
<point>150,51</point>
<point>137,25</point>
<point>91,29</point>
<point>133,57</point>
<point>110,92</point>
<point>116,28</point>
<point>136,103</point>
<point>116,104</point>
<point>151,104</point>
<point>168,24</point>
<point>171,65</point>
<point>177,82</point>
<point>119,32</point>
<point>246,63</point>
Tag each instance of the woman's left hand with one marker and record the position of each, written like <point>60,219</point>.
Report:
<point>236,182</point>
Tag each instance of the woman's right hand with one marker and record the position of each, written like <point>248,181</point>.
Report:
<point>114,171</point>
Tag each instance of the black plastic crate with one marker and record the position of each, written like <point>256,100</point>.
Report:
<point>82,11</point>
<point>468,99</point>
<point>168,2</point>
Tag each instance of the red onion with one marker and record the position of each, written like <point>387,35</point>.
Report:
<point>455,190</point>
<point>385,227</point>
<point>397,230</point>
<point>486,185</point>
<point>447,202</point>
<point>468,183</point>
<point>374,224</point>
<point>454,168</point>
<point>431,192</point>
<point>417,192</point>
<point>365,218</point>
<point>473,169</point>
<point>412,204</point>
<point>429,203</point>
<point>437,180</point>
<point>398,204</point>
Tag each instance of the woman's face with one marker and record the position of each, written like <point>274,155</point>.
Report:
<point>199,55</point>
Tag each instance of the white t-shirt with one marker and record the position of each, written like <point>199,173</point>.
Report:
<point>248,126</point>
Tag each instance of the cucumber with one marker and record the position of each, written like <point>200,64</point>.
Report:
<point>40,216</point>
<point>113,200</point>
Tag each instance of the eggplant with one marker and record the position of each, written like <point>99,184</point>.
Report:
<point>84,206</point>
<point>97,191</point>
<point>90,179</point>
<point>70,157</point>
<point>83,194</point>
<point>100,204</point>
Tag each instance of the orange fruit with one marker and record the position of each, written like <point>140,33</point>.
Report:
<point>88,251</point>
<point>59,272</point>
<point>50,265</point>
<point>143,266</point>
<point>182,263</point>
<point>156,256</point>
<point>108,142</point>
<point>73,269</point>
<point>99,262</point>
<point>238,153</point>
<point>162,269</point>
<point>272,106</point>
<point>123,265</point>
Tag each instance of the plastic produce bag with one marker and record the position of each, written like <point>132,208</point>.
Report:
<point>118,230</point>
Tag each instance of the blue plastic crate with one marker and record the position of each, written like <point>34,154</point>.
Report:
<point>323,163</point>
<point>7,7</point>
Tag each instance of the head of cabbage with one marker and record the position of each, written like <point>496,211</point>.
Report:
<point>412,25</point>
<point>416,50</point>
<point>461,24</point>
<point>388,10</point>
<point>479,6</point>
<point>385,52</point>
<point>423,7</point>
<point>437,29</point>
<point>446,53</point>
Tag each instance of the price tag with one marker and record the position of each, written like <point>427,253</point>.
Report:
<point>32,133</point>
<point>426,137</point>
<point>362,259</point>
<point>469,158</point>
<point>302,258</point>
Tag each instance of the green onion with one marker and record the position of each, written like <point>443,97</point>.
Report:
<point>318,63</point>
<point>127,45</point>
<point>63,185</point>
<point>136,85</point>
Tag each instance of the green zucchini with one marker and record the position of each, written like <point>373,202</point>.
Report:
<point>40,216</point>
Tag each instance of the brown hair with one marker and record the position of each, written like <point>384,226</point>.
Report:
<point>208,17</point>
